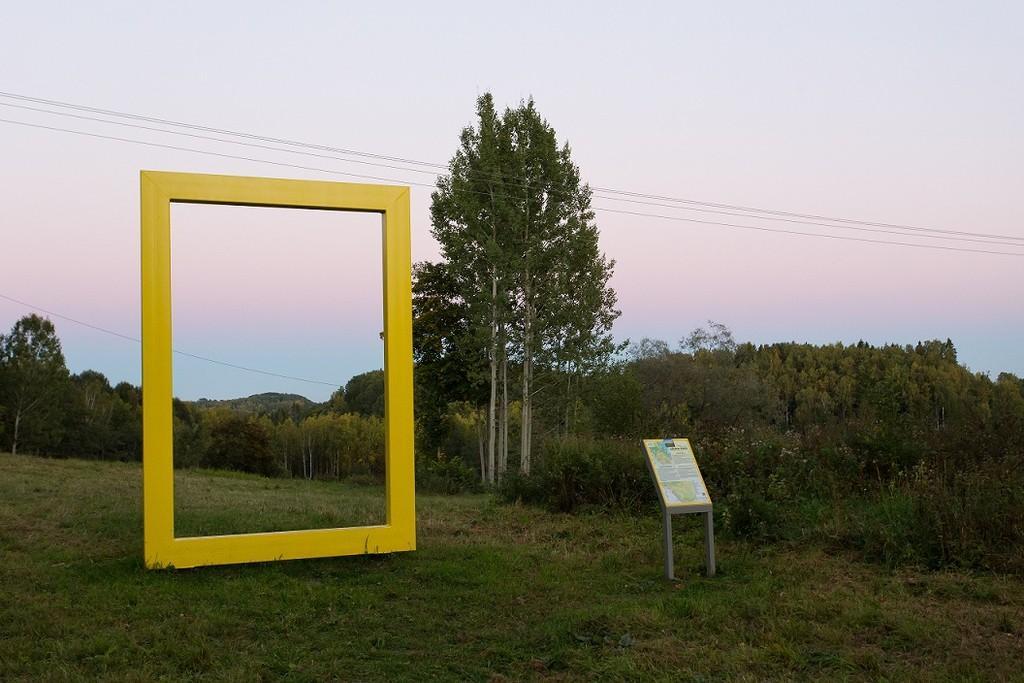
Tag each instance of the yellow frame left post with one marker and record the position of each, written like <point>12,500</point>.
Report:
<point>161,548</point>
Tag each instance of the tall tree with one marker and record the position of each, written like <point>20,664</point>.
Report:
<point>451,364</point>
<point>516,230</point>
<point>33,377</point>
<point>90,405</point>
<point>364,393</point>
<point>469,214</point>
<point>564,308</point>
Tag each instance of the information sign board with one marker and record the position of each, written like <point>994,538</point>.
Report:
<point>681,490</point>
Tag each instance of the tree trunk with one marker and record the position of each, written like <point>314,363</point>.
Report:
<point>500,449</point>
<point>568,400</point>
<point>480,444</point>
<point>576,401</point>
<point>14,441</point>
<point>307,461</point>
<point>504,381</point>
<point>503,424</point>
<point>527,410</point>
<point>494,380</point>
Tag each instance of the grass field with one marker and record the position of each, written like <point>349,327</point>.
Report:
<point>493,593</point>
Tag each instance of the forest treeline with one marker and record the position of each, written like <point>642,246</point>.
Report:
<point>890,406</point>
<point>903,402</point>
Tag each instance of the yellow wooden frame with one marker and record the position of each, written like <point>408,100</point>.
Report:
<point>162,549</point>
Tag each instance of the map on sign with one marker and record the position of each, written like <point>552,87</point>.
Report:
<point>675,469</point>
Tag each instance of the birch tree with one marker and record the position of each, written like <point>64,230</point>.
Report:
<point>563,306</point>
<point>450,355</point>
<point>516,230</point>
<point>469,214</point>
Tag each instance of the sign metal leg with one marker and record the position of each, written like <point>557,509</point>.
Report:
<point>709,542</point>
<point>669,562</point>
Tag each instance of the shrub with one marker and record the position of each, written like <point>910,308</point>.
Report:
<point>446,475</point>
<point>242,444</point>
<point>965,512</point>
<point>576,471</point>
<point>971,518</point>
<point>883,527</point>
<point>747,512</point>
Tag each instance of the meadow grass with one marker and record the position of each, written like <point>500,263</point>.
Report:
<point>494,592</point>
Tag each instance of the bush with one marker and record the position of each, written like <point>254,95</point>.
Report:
<point>759,482</point>
<point>866,496</point>
<point>747,512</point>
<point>446,475</point>
<point>242,444</point>
<point>515,487</point>
<point>971,518</point>
<point>883,527</point>
<point>574,472</point>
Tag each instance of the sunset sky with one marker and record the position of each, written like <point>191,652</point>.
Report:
<point>907,113</point>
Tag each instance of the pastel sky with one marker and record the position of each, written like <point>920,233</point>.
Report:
<point>907,113</point>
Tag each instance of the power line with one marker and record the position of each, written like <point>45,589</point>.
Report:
<point>775,212</point>
<point>221,131</point>
<point>216,139</point>
<point>210,153</point>
<point>437,174</point>
<point>810,234</point>
<point>637,197</point>
<point>177,351</point>
<point>981,238</point>
<point>595,208</point>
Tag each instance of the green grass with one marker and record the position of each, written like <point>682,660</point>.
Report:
<point>211,502</point>
<point>493,593</point>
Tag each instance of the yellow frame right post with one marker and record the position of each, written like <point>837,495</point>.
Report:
<point>161,547</point>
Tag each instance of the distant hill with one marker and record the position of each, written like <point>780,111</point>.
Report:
<point>268,402</point>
